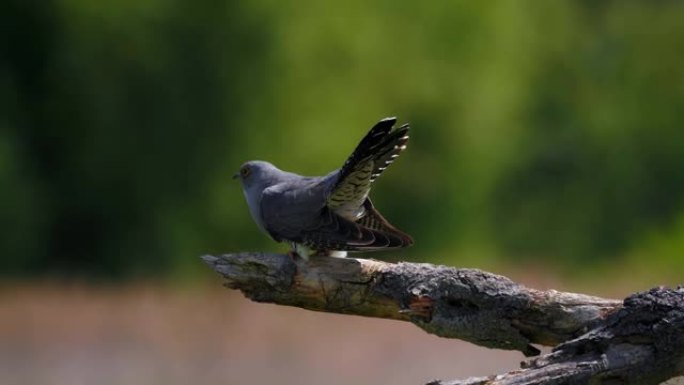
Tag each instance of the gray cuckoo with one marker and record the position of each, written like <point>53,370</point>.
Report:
<point>332,214</point>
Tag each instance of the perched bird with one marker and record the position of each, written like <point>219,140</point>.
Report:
<point>331,214</point>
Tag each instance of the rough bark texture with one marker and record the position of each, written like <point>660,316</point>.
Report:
<point>638,341</point>
<point>643,343</point>
<point>469,304</point>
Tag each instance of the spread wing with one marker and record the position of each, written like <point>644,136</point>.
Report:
<point>376,151</point>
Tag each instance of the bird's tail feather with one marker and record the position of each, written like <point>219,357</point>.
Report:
<point>381,145</point>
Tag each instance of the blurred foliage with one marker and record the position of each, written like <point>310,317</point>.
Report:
<point>542,131</point>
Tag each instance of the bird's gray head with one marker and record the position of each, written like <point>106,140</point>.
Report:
<point>257,174</point>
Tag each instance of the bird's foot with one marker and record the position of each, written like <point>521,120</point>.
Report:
<point>299,252</point>
<point>294,256</point>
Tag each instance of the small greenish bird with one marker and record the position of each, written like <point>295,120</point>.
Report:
<point>332,214</point>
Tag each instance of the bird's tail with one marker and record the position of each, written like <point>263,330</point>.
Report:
<point>381,145</point>
<point>387,236</point>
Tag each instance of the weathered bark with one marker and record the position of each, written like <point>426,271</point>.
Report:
<point>643,343</point>
<point>469,304</point>
<point>638,341</point>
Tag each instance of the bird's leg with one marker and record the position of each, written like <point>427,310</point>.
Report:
<point>293,255</point>
<point>299,251</point>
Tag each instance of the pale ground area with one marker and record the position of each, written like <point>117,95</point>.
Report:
<point>57,335</point>
<point>209,335</point>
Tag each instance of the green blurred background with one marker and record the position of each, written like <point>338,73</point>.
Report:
<point>544,133</point>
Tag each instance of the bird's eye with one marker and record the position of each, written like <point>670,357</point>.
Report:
<point>245,171</point>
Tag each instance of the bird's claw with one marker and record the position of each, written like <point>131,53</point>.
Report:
<point>293,255</point>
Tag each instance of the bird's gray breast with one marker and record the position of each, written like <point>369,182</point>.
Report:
<point>254,203</point>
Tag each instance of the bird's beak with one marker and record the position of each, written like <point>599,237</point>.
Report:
<point>236,175</point>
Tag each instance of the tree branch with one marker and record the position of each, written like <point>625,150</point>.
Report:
<point>469,304</point>
<point>638,341</point>
<point>643,343</point>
